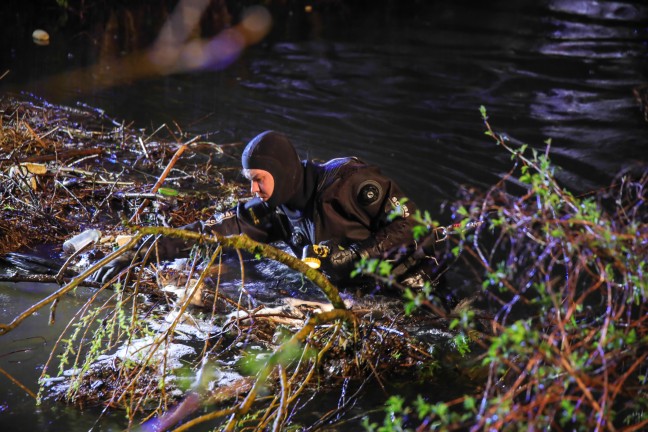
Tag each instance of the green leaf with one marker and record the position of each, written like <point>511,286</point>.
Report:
<point>482,110</point>
<point>395,404</point>
<point>469,403</point>
<point>168,191</point>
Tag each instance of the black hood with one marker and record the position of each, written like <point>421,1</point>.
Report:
<point>273,152</point>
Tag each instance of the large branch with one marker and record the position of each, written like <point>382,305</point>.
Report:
<point>246,243</point>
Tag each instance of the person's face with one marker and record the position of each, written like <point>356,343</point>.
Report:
<point>261,183</point>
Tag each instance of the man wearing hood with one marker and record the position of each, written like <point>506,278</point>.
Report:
<point>344,203</point>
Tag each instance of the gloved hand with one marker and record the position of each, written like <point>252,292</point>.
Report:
<point>256,211</point>
<point>341,260</point>
<point>110,270</point>
<point>167,247</point>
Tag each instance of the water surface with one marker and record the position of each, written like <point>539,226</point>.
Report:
<point>396,85</point>
<point>401,87</point>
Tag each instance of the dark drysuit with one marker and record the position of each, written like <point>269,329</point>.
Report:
<point>345,202</point>
<point>350,205</point>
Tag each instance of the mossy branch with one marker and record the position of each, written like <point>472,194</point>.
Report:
<point>244,242</point>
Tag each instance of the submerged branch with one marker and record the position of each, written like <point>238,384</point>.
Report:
<point>6,328</point>
<point>18,383</point>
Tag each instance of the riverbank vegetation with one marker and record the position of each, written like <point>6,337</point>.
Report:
<point>552,337</point>
<point>565,278</point>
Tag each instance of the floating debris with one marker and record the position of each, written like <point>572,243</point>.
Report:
<point>41,37</point>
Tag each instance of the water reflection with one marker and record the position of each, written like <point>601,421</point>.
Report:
<point>401,91</point>
<point>594,9</point>
<point>24,351</point>
<point>401,88</point>
<point>597,55</point>
<point>179,47</point>
<point>560,104</point>
<point>176,48</point>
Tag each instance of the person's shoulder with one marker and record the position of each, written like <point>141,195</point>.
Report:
<point>341,162</point>
<point>345,166</point>
<point>337,169</point>
<point>344,173</point>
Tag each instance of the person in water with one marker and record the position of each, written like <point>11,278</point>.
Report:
<point>345,204</point>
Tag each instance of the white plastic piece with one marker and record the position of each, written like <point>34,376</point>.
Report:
<point>80,241</point>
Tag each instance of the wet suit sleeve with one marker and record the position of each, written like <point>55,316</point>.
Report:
<point>253,218</point>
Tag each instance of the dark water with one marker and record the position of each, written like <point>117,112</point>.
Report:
<point>398,85</point>
<point>23,352</point>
